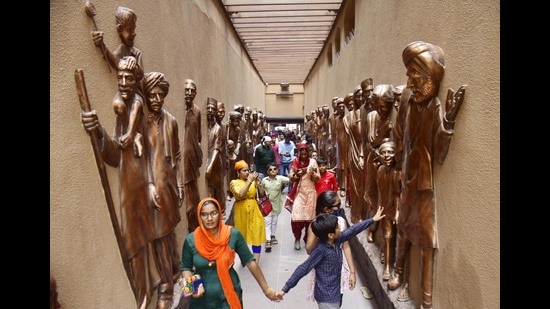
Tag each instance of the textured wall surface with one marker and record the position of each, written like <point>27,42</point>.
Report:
<point>467,263</point>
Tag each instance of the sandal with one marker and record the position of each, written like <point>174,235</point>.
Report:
<point>268,246</point>
<point>274,240</point>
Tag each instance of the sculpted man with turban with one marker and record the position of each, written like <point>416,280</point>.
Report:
<point>423,134</point>
<point>165,175</point>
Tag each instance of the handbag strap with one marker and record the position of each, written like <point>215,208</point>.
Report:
<point>258,193</point>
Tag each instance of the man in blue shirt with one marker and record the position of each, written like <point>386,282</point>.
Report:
<point>286,153</point>
<point>326,258</point>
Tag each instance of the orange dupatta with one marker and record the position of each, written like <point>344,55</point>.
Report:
<point>218,250</point>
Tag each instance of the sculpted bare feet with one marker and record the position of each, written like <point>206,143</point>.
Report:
<point>370,236</point>
<point>386,275</point>
<point>395,282</point>
<point>404,293</point>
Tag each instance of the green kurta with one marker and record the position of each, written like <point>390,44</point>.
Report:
<point>214,297</point>
<point>273,188</point>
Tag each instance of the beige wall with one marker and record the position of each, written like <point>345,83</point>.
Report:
<point>467,265</point>
<point>192,39</point>
<point>284,106</point>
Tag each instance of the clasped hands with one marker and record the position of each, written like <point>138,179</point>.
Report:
<point>274,295</point>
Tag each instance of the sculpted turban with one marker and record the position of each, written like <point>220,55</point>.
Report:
<point>234,115</point>
<point>348,98</point>
<point>398,89</point>
<point>387,144</point>
<point>239,165</point>
<point>191,82</point>
<point>357,88</point>
<point>384,92</point>
<point>153,79</point>
<point>426,58</point>
<point>367,84</point>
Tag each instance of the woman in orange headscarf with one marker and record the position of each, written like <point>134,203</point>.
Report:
<point>210,251</point>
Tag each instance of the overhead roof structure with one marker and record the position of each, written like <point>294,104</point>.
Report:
<point>283,38</point>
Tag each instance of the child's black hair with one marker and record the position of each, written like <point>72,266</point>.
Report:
<point>321,160</point>
<point>324,224</point>
<point>325,200</point>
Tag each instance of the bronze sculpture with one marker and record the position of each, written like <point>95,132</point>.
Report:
<point>242,154</point>
<point>214,160</point>
<point>54,303</point>
<point>308,124</point>
<point>192,153</point>
<point>257,128</point>
<point>367,86</point>
<point>324,129</point>
<point>136,222</point>
<point>165,179</point>
<point>389,188</point>
<point>378,126</point>
<point>234,136</point>
<point>423,134</point>
<point>332,146</point>
<point>220,114</point>
<point>126,20</point>
<point>263,124</point>
<point>397,91</point>
<point>341,145</point>
<point>352,126</point>
<point>247,139</point>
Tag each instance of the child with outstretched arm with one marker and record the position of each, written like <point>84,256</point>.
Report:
<point>326,258</point>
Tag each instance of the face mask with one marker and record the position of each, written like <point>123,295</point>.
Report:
<point>338,212</point>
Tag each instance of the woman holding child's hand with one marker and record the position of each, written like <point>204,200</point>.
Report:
<point>209,251</point>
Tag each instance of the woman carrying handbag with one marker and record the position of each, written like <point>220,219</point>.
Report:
<point>247,216</point>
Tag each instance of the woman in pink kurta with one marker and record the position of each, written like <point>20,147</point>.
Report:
<point>304,173</point>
